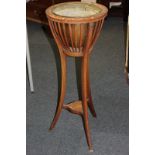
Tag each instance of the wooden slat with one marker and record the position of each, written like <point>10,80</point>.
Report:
<point>81,37</point>
<point>61,35</point>
<point>55,26</point>
<point>76,37</point>
<point>71,36</point>
<point>99,27</point>
<point>95,30</point>
<point>65,35</point>
<point>88,37</point>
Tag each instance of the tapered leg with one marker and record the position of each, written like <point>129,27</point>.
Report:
<point>90,101</point>
<point>63,90</point>
<point>84,100</point>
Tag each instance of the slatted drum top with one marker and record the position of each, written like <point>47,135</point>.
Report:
<point>76,10</point>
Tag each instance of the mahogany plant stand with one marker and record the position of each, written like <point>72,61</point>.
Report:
<point>75,37</point>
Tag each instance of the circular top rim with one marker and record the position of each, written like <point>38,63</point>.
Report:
<point>102,13</point>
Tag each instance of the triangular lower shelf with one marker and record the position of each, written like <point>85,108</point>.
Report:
<point>74,107</point>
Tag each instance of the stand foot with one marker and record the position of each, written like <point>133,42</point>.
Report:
<point>91,150</point>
